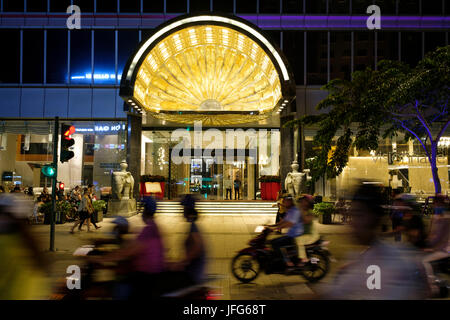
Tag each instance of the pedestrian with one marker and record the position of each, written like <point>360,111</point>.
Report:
<point>228,186</point>
<point>146,254</point>
<point>195,257</point>
<point>439,238</point>
<point>237,187</point>
<point>85,210</point>
<point>392,270</point>
<point>281,208</point>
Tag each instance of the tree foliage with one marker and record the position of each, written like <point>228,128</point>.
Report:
<point>394,98</point>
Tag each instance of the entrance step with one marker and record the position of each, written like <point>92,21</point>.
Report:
<point>220,207</point>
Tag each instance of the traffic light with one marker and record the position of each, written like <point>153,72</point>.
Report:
<point>48,171</point>
<point>66,142</point>
<point>61,186</point>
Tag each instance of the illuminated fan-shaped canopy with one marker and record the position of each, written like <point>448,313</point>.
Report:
<point>208,72</point>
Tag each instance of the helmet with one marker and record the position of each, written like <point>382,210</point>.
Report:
<point>121,224</point>
<point>149,204</point>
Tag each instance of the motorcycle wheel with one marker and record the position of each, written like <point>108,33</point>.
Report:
<point>245,267</point>
<point>317,267</point>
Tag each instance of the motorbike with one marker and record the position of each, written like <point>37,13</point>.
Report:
<point>96,286</point>
<point>441,270</point>
<point>258,257</point>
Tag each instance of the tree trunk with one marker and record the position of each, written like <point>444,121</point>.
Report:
<point>434,169</point>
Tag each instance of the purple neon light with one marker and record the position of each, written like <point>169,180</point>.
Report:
<point>270,21</point>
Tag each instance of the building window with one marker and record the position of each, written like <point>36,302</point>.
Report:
<point>146,33</point>
<point>99,148</point>
<point>245,6</point>
<point>411,47</point>
<point>59,5</point>
<point>223,5</point>
<point>339,6</point>
<point>432,7</point>
<point>316,6</point>
<point>154,6</point>
<point>359,7</point>
<point>132,6</point>
<point>56,56</point>
<point>292,6</point>
<point>294,50</point>
<point>127,42</point>
<point>176,6</point>
<point>316,58</point>
<point>364,49</point>
<point>33,56</point>
<point>274,36</point>
<point>433,40</point>
<point>387,45</point>
<point>107,6</point>
<point>269,6</point>
<point>406,7</point>
<point>386,6</point>
<point>36,5</point>
<point>340,55</point>
<point>199,5</point>
<point>80,56</point>
<point>85,5</point>
<point>12,6</point>
<point>11,70</point>
<point>104,56</point>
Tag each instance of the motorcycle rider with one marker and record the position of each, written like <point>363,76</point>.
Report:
<point>293,221</point>
<point>439,239</point>
<point>310,234</point>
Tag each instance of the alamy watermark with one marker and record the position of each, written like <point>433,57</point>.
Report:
<point>374,280</point>
<point>74,20</point>
<point>73,281</point>
<point>374,20</point>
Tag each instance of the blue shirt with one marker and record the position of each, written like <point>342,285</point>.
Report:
<point>293,215</point>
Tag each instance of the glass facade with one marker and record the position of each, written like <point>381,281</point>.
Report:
<point>96,56</point>
<point>210,158</point>
<point>26,146</point>
<point>320,52</point>
<point>396,163</point>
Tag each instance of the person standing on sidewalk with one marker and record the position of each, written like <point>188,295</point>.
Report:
<point>228,186</point>
<point>237,187</point>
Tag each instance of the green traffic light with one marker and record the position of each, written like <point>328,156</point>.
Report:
<point>48,171</point>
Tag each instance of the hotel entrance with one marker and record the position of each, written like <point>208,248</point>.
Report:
<point>210,170</point>
<point>221,76</point>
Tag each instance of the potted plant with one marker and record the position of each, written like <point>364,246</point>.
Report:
<point>153,179</point>
<point>323,211</point>
<point>99,207</point>
<point>64,210</point>
<point>270,185</point>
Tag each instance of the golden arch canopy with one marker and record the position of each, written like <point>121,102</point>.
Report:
<point>211,72</point>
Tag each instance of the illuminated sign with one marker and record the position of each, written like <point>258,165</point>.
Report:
<point>103,128</point>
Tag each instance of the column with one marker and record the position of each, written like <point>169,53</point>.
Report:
<point>134,136</point>
<point>287,150</point>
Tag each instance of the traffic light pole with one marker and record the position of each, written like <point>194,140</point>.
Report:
<point>54,178</point>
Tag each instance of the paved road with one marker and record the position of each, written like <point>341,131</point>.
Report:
<point>224,236</point>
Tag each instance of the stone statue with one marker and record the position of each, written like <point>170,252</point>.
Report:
<point>123,183</point>
<point>294,180</point>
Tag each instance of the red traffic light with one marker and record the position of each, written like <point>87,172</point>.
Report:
<point>61,186</point>
<point>69,132</point>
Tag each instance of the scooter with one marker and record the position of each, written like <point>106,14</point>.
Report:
<point>441,270</point>
<point>249,262</point>
<point>93,287</point>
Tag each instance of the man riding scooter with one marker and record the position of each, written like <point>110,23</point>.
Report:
<point>293,221</point>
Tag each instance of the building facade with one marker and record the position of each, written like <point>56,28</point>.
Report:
<point>75,74</point>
